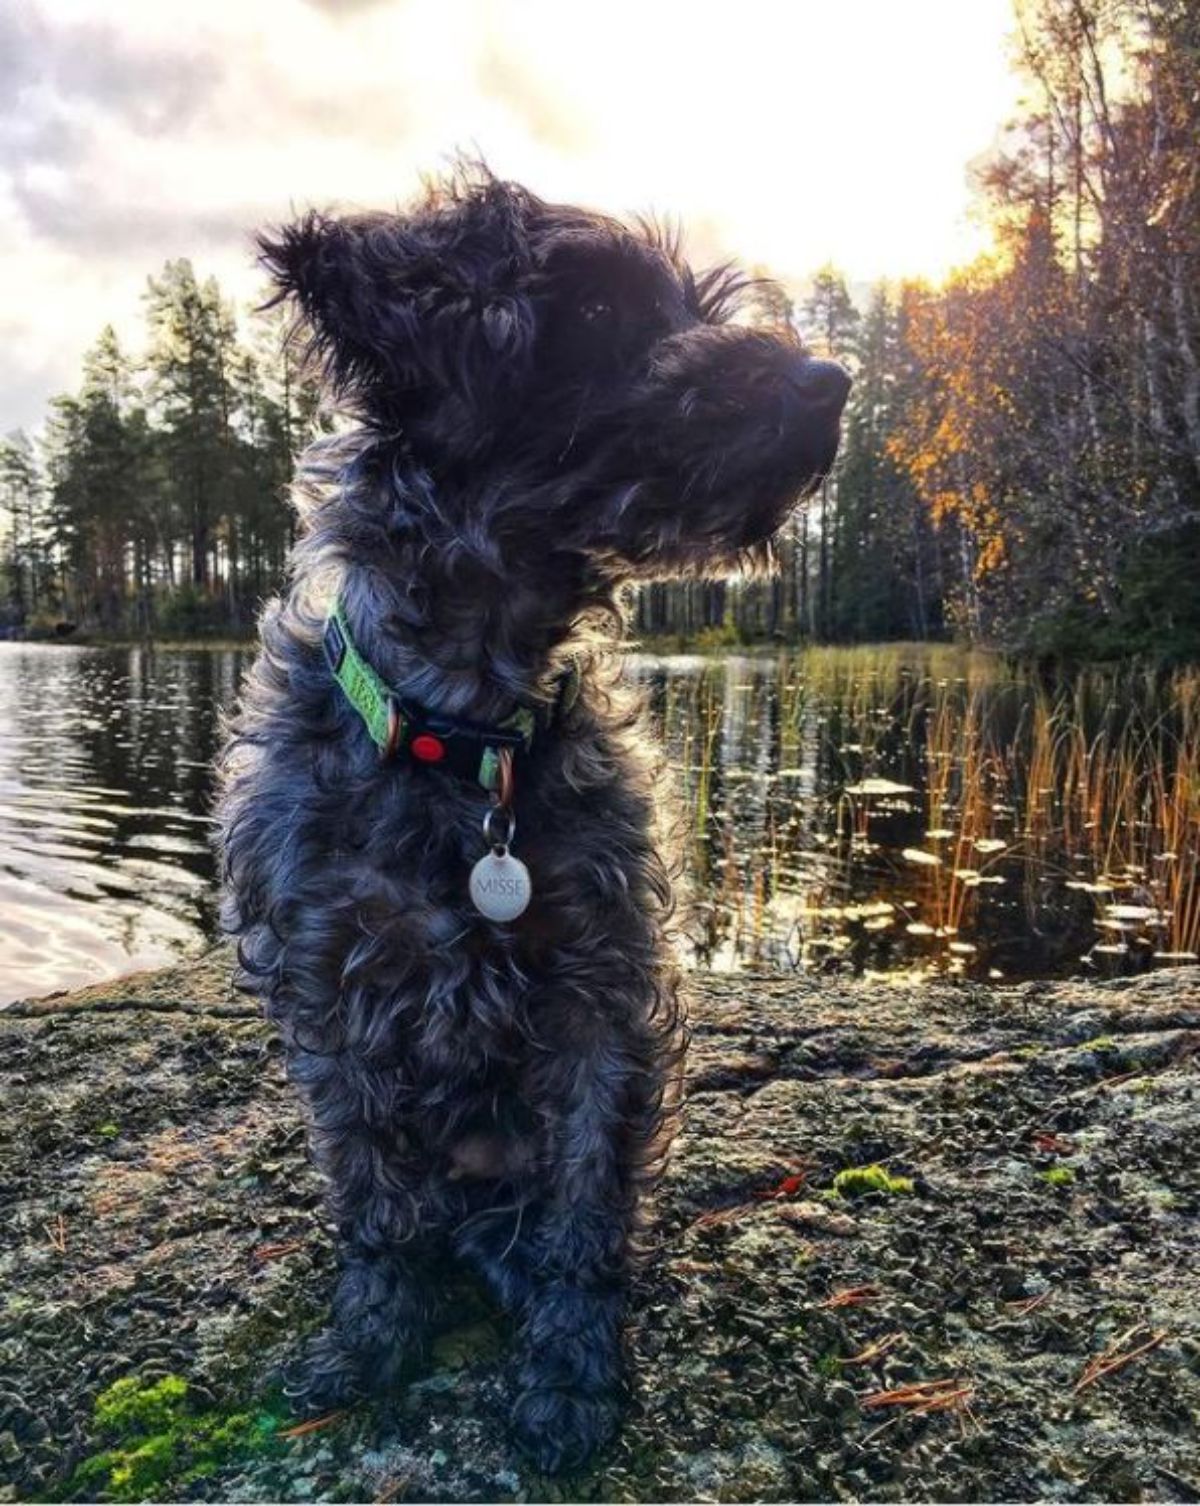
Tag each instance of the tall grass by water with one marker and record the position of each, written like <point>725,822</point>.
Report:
<point>907,810</point>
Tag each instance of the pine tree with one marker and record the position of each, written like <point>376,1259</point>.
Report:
<point>829,321</point>
<point>191,364</point>
<point>25,560</point>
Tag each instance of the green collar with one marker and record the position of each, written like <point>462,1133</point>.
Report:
<point>400,728</point>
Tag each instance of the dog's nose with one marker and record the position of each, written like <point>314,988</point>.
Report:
<point>823,385</point>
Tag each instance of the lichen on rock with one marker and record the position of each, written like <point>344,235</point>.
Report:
<point>165,1247</point>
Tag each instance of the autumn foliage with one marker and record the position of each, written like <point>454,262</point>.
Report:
<point>1052,431</point>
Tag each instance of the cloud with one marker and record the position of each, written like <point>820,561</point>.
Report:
<point>15,52</point>
<point>550,117</point>
<point>26,383</point>
<point>95,226</point>
<point>340,9</point>
<point>152,89</point>
<point>49,73</point>
<point>72,92</point>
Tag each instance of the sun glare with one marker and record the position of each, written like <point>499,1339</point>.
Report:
<point>792,134</point>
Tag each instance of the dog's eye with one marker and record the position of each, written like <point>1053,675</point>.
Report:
<point>596,310</point>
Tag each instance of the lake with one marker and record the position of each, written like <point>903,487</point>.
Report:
<point>901,810</point>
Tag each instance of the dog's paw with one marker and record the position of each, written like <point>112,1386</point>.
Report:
<point>560,1429</point>
<point>325,1377</point>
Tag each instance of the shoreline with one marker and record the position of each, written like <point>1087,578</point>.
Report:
<point>671,647</point>
<point>667,647</point>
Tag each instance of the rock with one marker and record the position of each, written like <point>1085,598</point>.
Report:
<point>162,1223</point>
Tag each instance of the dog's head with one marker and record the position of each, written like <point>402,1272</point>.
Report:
<point>565,379</point>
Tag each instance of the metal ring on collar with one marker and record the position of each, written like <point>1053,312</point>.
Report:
<point>510,826</point>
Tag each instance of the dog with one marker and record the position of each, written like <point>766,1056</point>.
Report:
<point>438,808</point>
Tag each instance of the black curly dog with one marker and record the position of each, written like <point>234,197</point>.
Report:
<point>547,405</point>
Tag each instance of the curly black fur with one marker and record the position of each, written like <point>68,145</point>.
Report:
<point>547,404</point>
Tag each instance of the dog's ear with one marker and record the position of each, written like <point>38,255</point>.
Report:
<point>309,263</point>
<point>300,260</point>
<point>404,307</point>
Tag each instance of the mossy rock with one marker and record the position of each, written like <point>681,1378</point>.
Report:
<point>158,1444</point>
<point>860,1181</point>
<point>869,1209</point>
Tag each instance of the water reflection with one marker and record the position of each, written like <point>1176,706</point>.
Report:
<point>919,811</point>
<point>894,811</point>
<point>105,759</point>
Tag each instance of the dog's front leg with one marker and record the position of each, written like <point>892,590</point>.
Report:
<point>383,1211</point>
<point>570,1372</point>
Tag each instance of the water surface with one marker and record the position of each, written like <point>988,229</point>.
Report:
<point>105,783</point>
<point>898,811</point>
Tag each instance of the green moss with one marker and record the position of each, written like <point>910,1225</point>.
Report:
<point>1100,1043</point>
<point>1058,1176</point>
<point>156,1439</point>
<point>857,1181</point>
<point>108,1131</point>
<point>130,1406</point>
<point>830,1366</point>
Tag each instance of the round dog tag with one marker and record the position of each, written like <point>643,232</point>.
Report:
<point>500,886</point>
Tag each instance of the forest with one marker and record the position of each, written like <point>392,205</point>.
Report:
<point>1020,466</point>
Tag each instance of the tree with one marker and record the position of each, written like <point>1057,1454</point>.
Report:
<point>1055,426</point>
<point>829,322</point>
<point>192,392</point>
<point>885,558</point>
<point>25,561</point>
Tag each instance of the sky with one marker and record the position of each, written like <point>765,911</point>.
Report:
<point>786,133</point>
